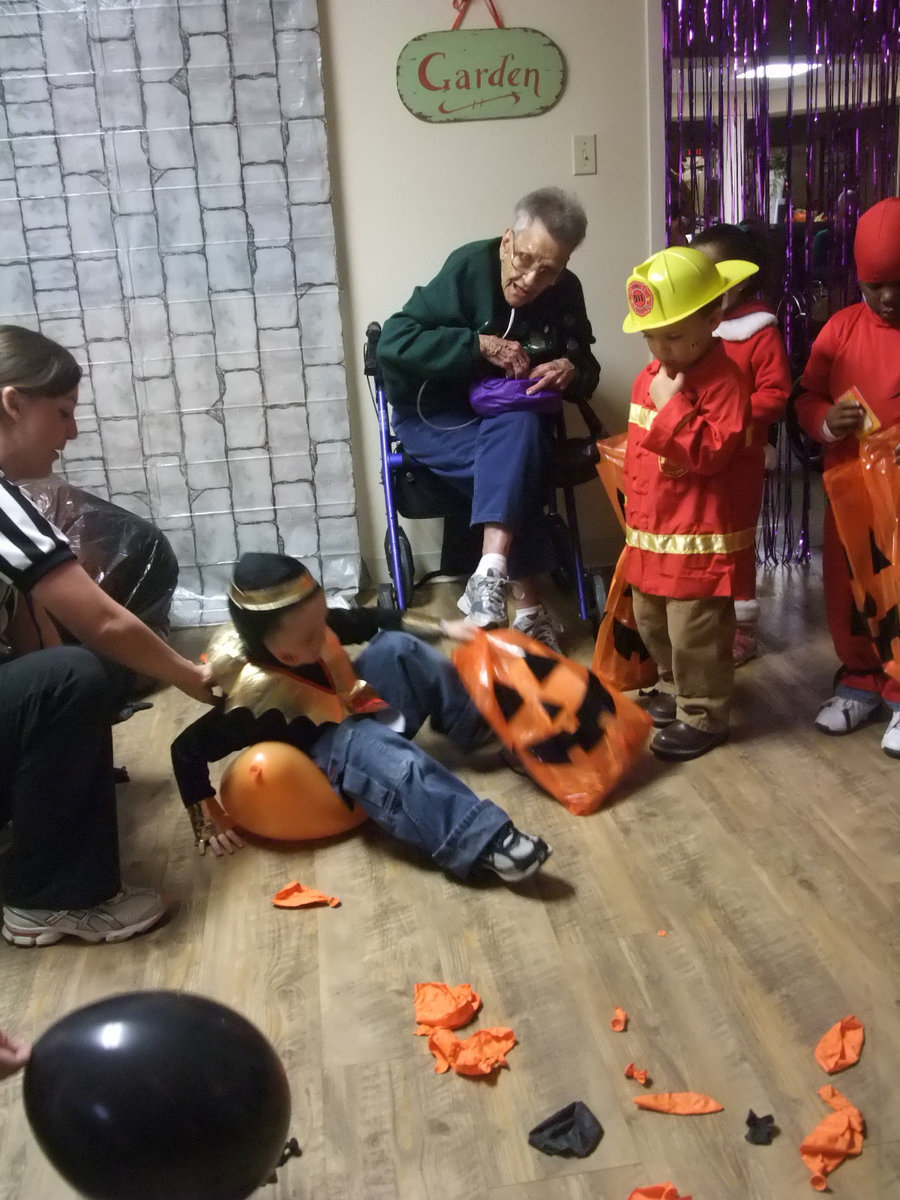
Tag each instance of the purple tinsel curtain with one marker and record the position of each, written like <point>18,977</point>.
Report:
<point>784,113</point>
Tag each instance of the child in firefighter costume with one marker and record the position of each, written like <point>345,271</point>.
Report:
<point>853,374</point>
<point>287,678</point>
<point>689,465</point>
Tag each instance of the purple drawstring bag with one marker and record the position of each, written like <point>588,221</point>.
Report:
<point>491,396</point>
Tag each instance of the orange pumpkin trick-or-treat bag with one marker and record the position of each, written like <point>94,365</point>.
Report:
<point>611,469</point>
<point>621,659</point>
<point>864,494</point>
<point>575,736</point>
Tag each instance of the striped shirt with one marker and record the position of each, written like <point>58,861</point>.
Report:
<point>30,547</point>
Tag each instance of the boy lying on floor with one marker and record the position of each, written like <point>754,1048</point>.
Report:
<point>287,678</point>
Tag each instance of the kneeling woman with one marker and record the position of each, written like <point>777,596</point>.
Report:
<point>287,679</point>
<point>57,702</point>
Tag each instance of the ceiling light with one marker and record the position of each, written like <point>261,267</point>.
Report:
<point>778,70</point>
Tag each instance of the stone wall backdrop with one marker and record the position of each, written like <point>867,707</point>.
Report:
<point>165,212</point>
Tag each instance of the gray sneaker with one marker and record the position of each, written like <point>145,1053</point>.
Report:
<point>539,626</point>
<point>129,912</point>
<point>484,600</point>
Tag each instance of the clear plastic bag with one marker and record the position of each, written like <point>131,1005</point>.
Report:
<point>125,554</point>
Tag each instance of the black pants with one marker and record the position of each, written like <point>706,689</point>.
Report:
<point>56,779</point>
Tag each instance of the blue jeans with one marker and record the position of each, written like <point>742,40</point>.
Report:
<point>501,463</point>
<point>393,780</point>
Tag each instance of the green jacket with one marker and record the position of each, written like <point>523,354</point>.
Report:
<point>434,338</point>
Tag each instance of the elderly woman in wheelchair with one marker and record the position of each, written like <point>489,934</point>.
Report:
<point>475,365</point>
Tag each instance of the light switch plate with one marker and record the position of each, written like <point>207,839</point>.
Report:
<point>584,154</point>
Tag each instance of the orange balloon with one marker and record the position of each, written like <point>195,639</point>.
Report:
<point>275,791</point>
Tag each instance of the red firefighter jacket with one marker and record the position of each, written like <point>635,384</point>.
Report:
<point>687,468</point>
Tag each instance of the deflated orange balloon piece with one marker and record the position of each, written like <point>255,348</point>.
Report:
<point>637,1073</point>
<point>480,1054</point>
<point>836,1137</point>
<point>440,1006</point>
<point>684,1104</point>
<point>297,895</point>
<point>619,1020</point>
<point>841,1046</point>
<point>657,1191</point>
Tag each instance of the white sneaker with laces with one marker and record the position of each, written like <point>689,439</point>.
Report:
<point>843,714</point>
<point>484,600</point>
<point>540,626</point>
<point>890,743</point>
<point>130,911</point>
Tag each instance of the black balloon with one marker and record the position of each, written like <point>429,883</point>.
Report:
<point>158,1096</point>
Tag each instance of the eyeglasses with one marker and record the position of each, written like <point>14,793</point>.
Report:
<point>527,264</point>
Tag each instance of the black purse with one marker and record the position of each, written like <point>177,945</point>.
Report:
<point>574,460</point>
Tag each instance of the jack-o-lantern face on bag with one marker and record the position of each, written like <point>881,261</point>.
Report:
<point>575,736</point>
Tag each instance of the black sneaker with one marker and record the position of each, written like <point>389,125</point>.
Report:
<point>514,855</point>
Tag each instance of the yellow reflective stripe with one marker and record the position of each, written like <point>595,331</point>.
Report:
<point>644,417</point>
<point>690,543</point>
<point>637,415</point>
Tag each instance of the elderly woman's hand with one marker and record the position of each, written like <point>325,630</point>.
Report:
<point>553,376</point>
<point>507,355</point>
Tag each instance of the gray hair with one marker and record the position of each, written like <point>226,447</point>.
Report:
<point>559,212</point>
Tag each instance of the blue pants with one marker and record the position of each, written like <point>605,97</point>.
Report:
<point>402,788</point>
<point>502,464</point>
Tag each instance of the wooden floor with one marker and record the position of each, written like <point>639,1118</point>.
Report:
<point>773,864</point>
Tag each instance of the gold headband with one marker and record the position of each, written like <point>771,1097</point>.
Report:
<point>280,595</point>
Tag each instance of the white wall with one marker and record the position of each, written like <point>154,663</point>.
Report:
<point>407,192</point>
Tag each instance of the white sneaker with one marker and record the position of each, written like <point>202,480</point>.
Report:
<point>541,627</point>
<point>843,714</point>
<point>130,911</point>
<point>890,743</point>
<point>484,600</point>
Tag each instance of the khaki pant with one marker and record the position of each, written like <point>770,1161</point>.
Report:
<point>691,643</point>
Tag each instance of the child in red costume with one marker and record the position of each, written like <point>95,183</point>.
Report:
<point>688,467</point>
<point>859,347</point>
<point>752,340</point>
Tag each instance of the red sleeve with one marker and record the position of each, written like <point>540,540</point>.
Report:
<point>701,432</point>
<point>815,399</point>
<point>771,374</point>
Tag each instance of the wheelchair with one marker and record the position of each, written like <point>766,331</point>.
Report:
<point>412,491</point>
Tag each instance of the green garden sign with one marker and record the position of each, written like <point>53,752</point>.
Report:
<point>480,74</point>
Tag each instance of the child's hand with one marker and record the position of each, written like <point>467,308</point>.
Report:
<point>664,386</point>
<point>213,832</point>
<point>14,1054</point>
<point>225,841</point>
<point>458,631</point>
<point>844,418</point>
